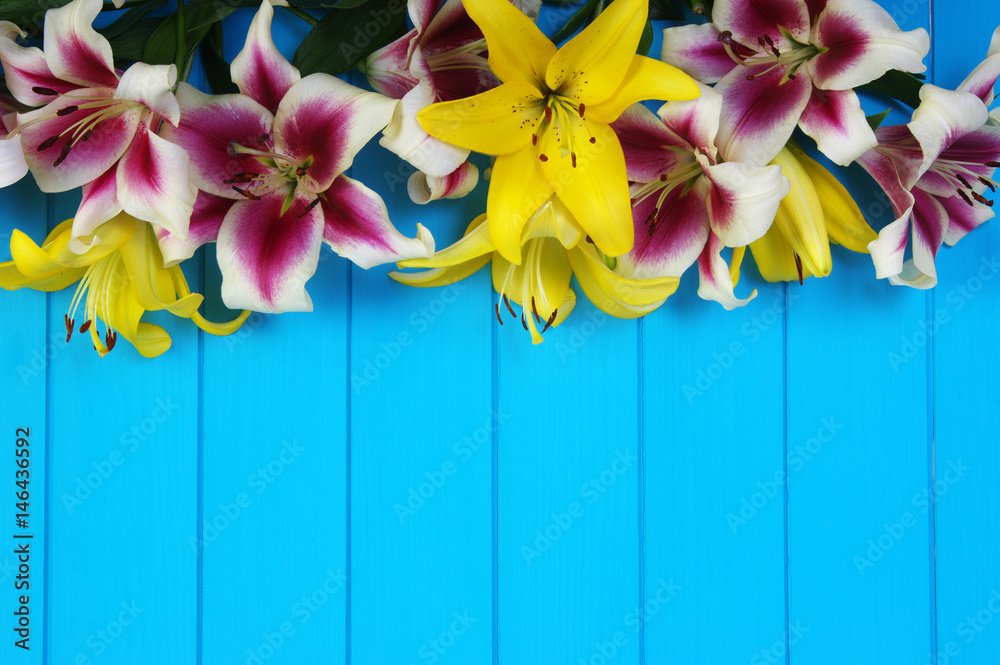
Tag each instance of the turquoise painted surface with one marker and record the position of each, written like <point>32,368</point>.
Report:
<point>395,478</point>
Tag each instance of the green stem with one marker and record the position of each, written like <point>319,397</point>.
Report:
<point>301,13</point>
<point>181,37</point>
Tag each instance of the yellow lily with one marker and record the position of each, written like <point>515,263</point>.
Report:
<point>548,121</point>
<point>817,211</point>
<point>120,278</point>
<point>555,248</point>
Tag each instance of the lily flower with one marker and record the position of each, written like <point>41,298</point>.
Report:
<point>441,59</point>
<point>12,164</point>
<point>555,249</point>
<point>270,163</point>
<point>794,62</point>
<point>936,171</point>
<point>687,204</point>
<point>817,211</point>
<point>119,279</point>
<point>97,127</point>
<point>548,121</point>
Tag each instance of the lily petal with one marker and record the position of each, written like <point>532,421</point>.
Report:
<point>679,232</point>
<point>696,49</point>
<point>759,116</point>
<point>423,188</point>
<point>70,161</point>
<point>614,293</point>
<point>646,79</point>
<point>775,258</point>
<point>100,203</point>
<point>405,137</point>
<point>742,199</point>
<point>267,257</point>
<point>696,122</point>
<point>983,78</point>
<point>387,69</point>
<point>930,224</point>
<point>495,122</point>
<point>836,121</point>
<point>715,280</point>
<point>154,183</point>
<point>749,20</point>
<point>943,117</point>
<point>844,222</point>
<point>209,125</point>
<point>152,86</point>
<point>517,190</point>
<point>206,219</point>
<point>962,217</point>
<point>800,217</point>
<point>259,70</point>
<point>862,43</point>
<point>357,227</point>
<point>888,249</point>
<point>589,67</point>
<point>518,49</point>
<point>330,120</point>
<point>25,68</point>
<point>646,143</point>
<point>12,164</point>
<point>473,245</point>
<point>75,51</point>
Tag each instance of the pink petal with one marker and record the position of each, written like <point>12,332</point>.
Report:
<point>930,223</point>
<point>25,69</point>
<point>405,137</point>
<point>358,227</point>
<point>74,51</point>
<point>695,122</point>
<point>716,283</point>
<point>152,86</point>
<point>671,244</point>
<point>206,219</point>
<point>422,12</point>
<point>209,125</point>
<point>742,199</point>
<point>466,75</point>
<point>451,28</point>
<point>943,117</point>
<point>154,182</point>
<point>423,188</point>
<point>898,144</point>
<point>65,162</point>
<point>963,217</point>
<point>328,120</point>
<point>696,49</point>
<point>750,19</point>
<point>648,145</point>
<point>99,204</point>
<point>892,171</point>
<point>759,116</point>
<point>267,257</point>
<point>835,120</point>
<point>260,71</point>
<point>815,8</point>
<point>983,78</point>
<point>863,43</point>
<point>388,69</point>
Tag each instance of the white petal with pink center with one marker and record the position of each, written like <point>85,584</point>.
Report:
<point>99,204</point>
<point>74,51</point>
<point>715,281</point>
<point>206,220</point>
<point>406,138</point>
<point>259,69</point>
<point>423,188</point>
<point>742,199</point>
<point>983,79</point>
<point>835,120</point>
<point>152,86</point>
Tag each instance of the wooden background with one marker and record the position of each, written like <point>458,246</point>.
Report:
<point>395,479</point>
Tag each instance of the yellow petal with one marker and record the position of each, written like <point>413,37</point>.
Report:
<point>518,188</point>
<point>589,67</point>
<point>619,296</point>
<point>30,259</point>
<point>228,328</point>
<point>518,51</point>
<point>152,285</point>
<point>844,222</point>
<point>596,190</point>
<point>774,256</point>
<point>496,122</point>
<point>803,223</point>
<point>474,244</point>
<point>109,236</point>
<point>646,79</point>
<point>151,341</point>
<point>554,220</point>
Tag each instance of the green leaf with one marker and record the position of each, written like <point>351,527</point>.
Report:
<point>663,10</point>
<point>345,37</point>
<point>161,49</point>
<point>897,85</point>
<point>122,24</point>
<point>327,4</point>
<point>28,14</point>
<point>646,40</point>
<point>216,68</point>
<point>575,22</point>
<point>131,44</point>
<point>875,120</point>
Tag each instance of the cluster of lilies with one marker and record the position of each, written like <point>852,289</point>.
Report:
<point>585,179</point>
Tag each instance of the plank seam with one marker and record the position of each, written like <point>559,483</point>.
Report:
<point>494,486</point>
<point>50,214</point>
<point>347,464</point>
<point>931,452</point>
<point>200,486</point>
<point>784,465</point>
<point>640,332</point>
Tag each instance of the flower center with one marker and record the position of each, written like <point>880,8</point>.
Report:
<point>684,176</point>
<point>562,122</point>
<point>962,176</point>
<point>769,53</point>
<point>453,58</point>
<point>531,288</point>
<point>96,110</point>
<point>100,286</point>
<point>281,171</point>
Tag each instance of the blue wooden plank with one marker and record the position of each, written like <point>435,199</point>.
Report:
<point>966,362</point>
<point>714,510</point>
<point>272,516</point>
<point>568,491</point>
<point>123,487</point>
<point>422,421</point>
<point>25,352</point>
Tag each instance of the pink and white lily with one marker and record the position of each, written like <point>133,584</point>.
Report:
<point>270,164</point>
<point>442,58</point>
<point>783,63</point>
<point>12,164</point>
<point>687,203</point>
<point>936,171</point>
<point>97,127</point>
